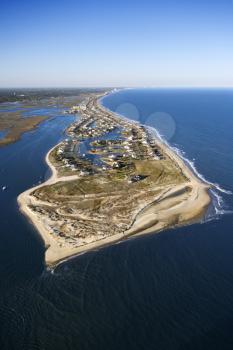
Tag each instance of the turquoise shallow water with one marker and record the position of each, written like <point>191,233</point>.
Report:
<point>168,291</point>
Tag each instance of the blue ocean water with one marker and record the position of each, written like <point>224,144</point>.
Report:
<point>170,291</point>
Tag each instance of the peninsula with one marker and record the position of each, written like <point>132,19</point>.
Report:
<point>112,178</point>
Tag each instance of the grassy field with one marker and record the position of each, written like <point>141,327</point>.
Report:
<point>104,204</point>
<point>158,173</point>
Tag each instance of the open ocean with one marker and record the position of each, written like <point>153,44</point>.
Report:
<point>171,291</point>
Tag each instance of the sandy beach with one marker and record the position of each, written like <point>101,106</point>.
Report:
<point>174,206</point>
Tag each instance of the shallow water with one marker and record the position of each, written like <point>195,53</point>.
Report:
<point>50,111</point>
<point>3,133</point>
<point>172,290</point>
<point>8,107</point>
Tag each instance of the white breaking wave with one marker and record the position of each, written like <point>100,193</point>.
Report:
<point>200,176</point>
<point>218,204</point>
<point>191,164</point>
<point>218,201</point>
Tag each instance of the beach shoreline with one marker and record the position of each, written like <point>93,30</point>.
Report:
<point>191,209</point>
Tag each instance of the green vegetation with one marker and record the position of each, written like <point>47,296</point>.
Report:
<point>114,181</point>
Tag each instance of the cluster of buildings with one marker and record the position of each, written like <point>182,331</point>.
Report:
<point>95,127</point>
<point>70,159</point>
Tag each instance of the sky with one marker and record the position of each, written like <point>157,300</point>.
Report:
<point>159,43</point>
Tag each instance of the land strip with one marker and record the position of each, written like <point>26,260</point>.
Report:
<point>111,179</point>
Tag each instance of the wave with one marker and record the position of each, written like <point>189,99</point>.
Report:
<point>190,164</point>
<point>200,176</point>
<point>218,205</point>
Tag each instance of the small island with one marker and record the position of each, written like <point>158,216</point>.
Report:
<point>112,178</point>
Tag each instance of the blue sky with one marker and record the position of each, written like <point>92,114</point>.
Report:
<point>121,43</point>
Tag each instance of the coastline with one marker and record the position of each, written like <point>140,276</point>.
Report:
<point>193,210</point>
<point>146,221</point>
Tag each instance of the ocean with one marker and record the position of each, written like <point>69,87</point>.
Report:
<point>172,290</point>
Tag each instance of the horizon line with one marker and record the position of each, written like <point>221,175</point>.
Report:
<point>120,87</point>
